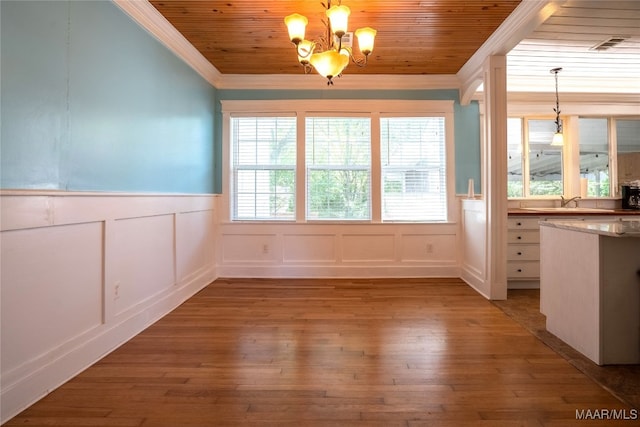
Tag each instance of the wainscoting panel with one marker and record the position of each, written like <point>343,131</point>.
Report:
<point>82,273</point>
<point>275,249</point>
<point>474,241</point>
<point>51,291</point>
<point>195,244</point>
<point>310,248</point>
<point>251,248</point>
<point>428,248</point>
<point>145,264</point>
<point>368,247</point>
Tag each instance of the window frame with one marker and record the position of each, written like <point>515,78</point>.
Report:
<point>372,109</point>
<point>254,167</point>
<point>571,152</point>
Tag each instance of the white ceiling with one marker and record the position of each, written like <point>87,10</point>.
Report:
<point>565,40</point>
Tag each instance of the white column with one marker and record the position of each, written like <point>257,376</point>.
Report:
<point>494,184</point>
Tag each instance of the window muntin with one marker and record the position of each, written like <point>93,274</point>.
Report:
<point>413,151</point>
<point>338,163</point>
<point>594,155</point>
<point>263,167</point>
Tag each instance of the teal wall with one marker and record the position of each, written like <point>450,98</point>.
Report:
<point>467,121</point>
<point>91,101</point>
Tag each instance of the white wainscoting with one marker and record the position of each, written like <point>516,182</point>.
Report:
<point>273,249</point>
<point>474,246</point>
<point>82,273</point>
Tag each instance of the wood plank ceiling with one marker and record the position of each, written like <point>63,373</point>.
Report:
<point>414,37</point>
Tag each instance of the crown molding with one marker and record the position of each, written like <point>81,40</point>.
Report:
<point>348,81</point>
<point>522,21</point>
<point>148,17</point>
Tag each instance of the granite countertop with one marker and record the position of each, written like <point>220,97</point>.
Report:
<point>626,228</point>
<point>573,211</point>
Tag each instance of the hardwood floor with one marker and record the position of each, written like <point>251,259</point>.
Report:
<point>623,381</point>
<point>398,352</point>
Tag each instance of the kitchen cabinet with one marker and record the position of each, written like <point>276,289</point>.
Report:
<point>523,251</point>
<point>523,245</point>
<point>589,287</point>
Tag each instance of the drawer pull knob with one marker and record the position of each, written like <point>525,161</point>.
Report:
<point>519,270</point>
<point>519,253</point>
<point>519,224</point>
<point>519,237</point>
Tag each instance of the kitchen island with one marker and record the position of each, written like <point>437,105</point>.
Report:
<point>590,287</point>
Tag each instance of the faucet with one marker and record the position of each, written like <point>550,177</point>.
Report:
<point>564,202</point>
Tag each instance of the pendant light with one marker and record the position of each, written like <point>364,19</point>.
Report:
<point>558,137</point>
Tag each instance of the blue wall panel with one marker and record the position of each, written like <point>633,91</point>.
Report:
<point>90,101</point>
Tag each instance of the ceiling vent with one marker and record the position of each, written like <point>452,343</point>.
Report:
<point>609,43</point>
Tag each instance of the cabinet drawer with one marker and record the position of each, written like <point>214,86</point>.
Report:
<point>523,236</point>
<point>523,223</point>
<point>523,252</point>
<point>523,270</point>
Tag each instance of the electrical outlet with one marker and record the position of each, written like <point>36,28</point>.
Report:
<point>429,248</point>
<point>265,249</point>
<point>116,290</point>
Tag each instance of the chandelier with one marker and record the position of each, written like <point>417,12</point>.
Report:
<point>558,138</point>
<point>328,54</point>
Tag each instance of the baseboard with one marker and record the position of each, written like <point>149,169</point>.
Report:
<point>341,271</point>
<point>42,376</point>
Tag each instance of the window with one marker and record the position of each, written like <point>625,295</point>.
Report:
<point>542,166</point>
<point>338,157</point>
<point>263,167</point>
<point>594,145</point>
<point>413,169</point>
<point>338,160</point>
<point>594,155</point>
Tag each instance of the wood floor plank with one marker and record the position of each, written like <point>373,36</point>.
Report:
<point>328,352</point>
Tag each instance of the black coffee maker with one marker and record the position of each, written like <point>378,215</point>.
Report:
<point>630,197</point>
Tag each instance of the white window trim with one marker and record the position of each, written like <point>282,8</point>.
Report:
<point>373,108</point>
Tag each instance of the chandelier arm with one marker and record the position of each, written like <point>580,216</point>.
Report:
<point>307,54</point>
<point>360,62</point>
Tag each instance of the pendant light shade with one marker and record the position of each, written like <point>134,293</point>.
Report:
<point>558,139</point>
<point>296,24</point>
<point>339,19</point>
<point>305,50</point>
<point>366,36</point>
<point>329,63</point>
